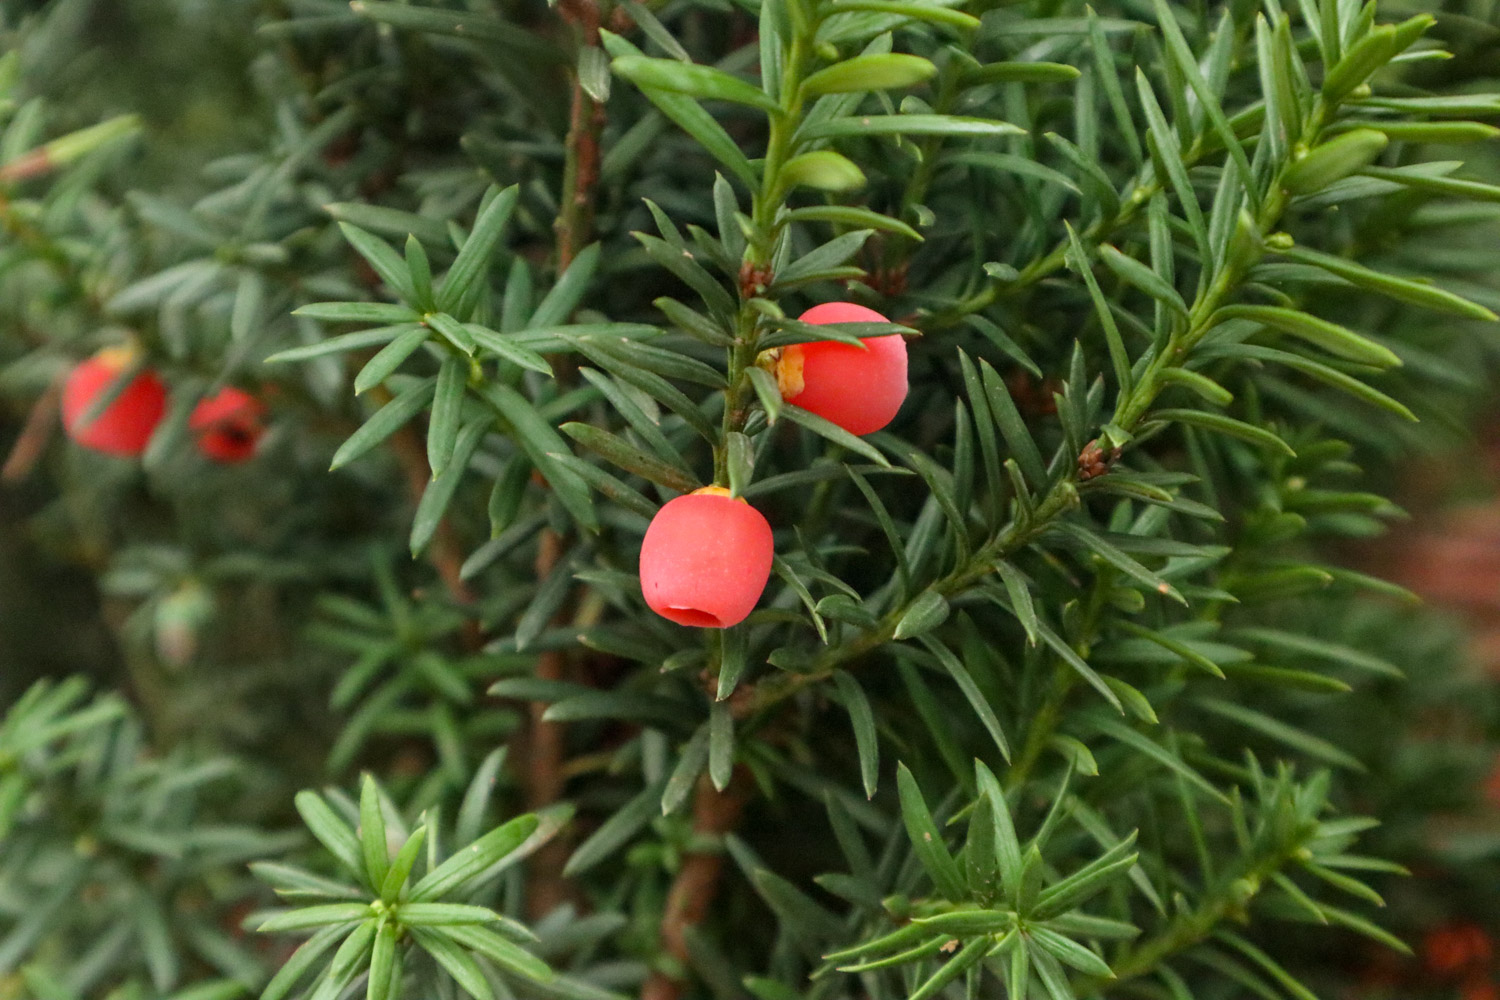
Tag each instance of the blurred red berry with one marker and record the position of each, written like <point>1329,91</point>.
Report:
<point>1455,948</point>
<point>705,559</point>
<point>1479,988</point>
<point>228,425</point>
<point>860,389</point>
<point>125,425</point>
<point>1492,785</point>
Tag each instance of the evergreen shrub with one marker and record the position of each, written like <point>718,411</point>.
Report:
<point>1066,682</point>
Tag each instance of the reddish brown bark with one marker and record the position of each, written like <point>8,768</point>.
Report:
<point>575,219</point>
<point>546,742</point>
<point>444,552</point>
<point>715,813</point>
<point>34,436</point>
<point>546,752</point>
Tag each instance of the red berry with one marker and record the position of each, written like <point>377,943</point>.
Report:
<point>228,425</point>
<point>1492,784</point>
<point>125,425</point>
<point>1478,988</point>
<point>705,559</point>
<point>860,389</point>
<point>1451,949</point>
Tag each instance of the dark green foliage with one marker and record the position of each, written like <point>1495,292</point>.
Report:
<point>114,867</point>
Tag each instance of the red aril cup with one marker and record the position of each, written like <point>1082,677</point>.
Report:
<point>228,425</point>
<point>124,426</point>
<point>858,388</point>
<point>705,559</point>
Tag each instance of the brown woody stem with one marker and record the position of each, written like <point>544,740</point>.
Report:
<point>546,753</point>
<point>32,441</point>
<point>715,813</point>
<point>575,219</point>
<point>546,742</point>
<point>444,553</point>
